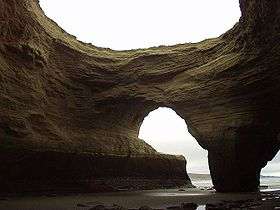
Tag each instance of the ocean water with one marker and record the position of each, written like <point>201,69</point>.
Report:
<point>202,183</point>
<point>266,183</point>
<point>272,183</point>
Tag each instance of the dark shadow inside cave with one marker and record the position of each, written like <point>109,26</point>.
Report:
<point>167,132</point>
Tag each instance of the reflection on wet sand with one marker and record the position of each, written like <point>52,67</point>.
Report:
<point>172,199</point>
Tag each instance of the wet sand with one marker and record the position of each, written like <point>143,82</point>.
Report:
<point>157,199</point>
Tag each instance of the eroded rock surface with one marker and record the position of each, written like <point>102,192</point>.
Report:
<point>60,95</point>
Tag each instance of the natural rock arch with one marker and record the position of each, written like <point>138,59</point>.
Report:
<point>58,94</point>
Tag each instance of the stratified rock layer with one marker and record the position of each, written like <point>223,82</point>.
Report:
<point>60,95</point>
<point>24,171</point>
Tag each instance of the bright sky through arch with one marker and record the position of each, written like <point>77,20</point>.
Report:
<point>167,132</point>
<point>130,24</point>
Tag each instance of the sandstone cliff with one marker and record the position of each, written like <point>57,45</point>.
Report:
<point>60,95</point>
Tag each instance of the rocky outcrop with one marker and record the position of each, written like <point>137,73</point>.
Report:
<point>61,95</point>
<point>25,171</point>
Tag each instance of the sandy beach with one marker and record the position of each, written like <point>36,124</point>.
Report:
<point>154,199</point>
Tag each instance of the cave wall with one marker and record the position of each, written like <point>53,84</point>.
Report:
<point>61,95</point>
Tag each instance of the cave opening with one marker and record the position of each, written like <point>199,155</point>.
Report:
<point>270,174</point>
<point>125,24</point>
<point>167,132</point>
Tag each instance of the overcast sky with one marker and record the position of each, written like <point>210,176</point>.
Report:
<point>168,133</point>
<point>130,24</point>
